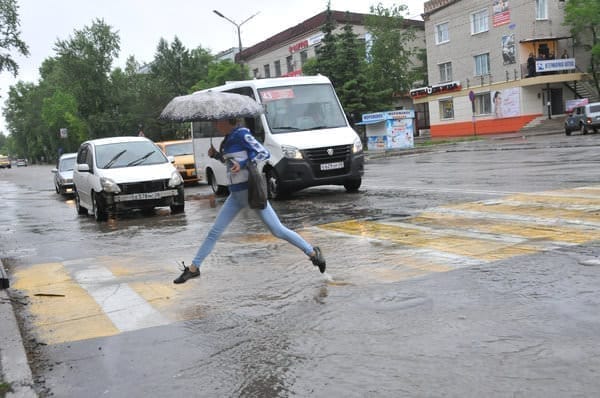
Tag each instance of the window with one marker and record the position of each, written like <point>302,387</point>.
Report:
<point>267,70</point>
<point>441,33</point>
<point>541,9</point>
<point>482,64</point>
<point>289,63</point>
<point>445,72</point>
<point>303,57</point>
<point>483,104</point>
<point>255,72</point>
<point>446,109</point>
<point>277,68</point>
<point>479,22</point>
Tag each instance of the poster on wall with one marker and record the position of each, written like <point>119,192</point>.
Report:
<point>508,50</point>
<point>501,12</point>
<point>400,133</point>
<point>506,103</point>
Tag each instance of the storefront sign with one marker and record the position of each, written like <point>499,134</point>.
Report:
<point>294,48</point>
<point>435,89</point>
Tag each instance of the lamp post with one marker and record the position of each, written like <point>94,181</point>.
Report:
<point>237,25</point>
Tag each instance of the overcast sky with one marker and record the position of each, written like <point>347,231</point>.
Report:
<point>141,24</point>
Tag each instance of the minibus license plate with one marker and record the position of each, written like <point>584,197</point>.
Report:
<point>332,166</point>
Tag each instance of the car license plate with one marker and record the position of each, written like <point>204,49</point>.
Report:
<point>145,196</point>
<point>332,166</point>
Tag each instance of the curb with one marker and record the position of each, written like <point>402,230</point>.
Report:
<point>14,366</point>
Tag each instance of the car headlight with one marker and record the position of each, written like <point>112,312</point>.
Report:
<point>357,146</point>
<point>109,185</point>
<point>291,152</point>
<point>175,179</point>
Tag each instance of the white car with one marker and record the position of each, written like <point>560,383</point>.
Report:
<point>124,173</point>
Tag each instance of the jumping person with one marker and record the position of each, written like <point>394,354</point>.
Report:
<point>237,149</point>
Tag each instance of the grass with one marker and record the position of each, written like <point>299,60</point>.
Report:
<point>450,141</point>
<point>4,388</point>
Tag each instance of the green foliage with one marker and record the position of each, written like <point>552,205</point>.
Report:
<point>219,73</point>
<point>583,16</point>
<point>10,36</point>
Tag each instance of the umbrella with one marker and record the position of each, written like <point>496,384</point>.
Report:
<point>210,105</point>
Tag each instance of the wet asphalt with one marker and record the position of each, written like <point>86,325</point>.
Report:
<point>468,270</point>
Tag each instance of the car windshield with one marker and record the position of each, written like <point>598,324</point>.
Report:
<point>128,154</point>
<point>179,149</point>
<point>301,108</point>
<point>67,164</point>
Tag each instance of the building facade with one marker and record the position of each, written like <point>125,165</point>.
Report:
<point>285,53</point>
<point>495,65</point>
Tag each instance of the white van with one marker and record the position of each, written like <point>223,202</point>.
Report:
<point>304,128</point>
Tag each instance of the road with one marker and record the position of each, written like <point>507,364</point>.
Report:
<point>469,270</point>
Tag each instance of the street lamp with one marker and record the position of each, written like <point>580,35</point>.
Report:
<point>237,25</point>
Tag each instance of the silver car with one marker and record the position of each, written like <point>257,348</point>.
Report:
<point>583,118</point>
<point>63,174</point>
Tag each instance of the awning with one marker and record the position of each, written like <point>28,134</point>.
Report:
<point>371,122</point>
<point>544,39</point>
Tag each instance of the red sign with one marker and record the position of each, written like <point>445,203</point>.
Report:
<point>276,94</point>
<point>298,46</point>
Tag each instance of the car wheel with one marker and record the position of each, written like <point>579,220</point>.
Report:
<point>57,189</point>
<point>584,129</point>
<point>567,132</point>
<point>179,205</point>
<point>100,213</point>
<point>80,210</point>
<point>353,184</point>
<point>216,188</point>
<point>274,189</point>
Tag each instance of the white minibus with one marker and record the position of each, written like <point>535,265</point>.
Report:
<point>303,127</point>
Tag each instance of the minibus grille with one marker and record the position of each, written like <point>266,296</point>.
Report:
<point>328,155</point>
<point>145,186</point>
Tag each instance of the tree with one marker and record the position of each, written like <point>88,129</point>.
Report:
<point>390,66</point>
<point>583,16</point>
<point>10,36</point>
<point>327,52</point>
<point>219,73</point>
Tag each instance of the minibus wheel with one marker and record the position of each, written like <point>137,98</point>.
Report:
<point>353,184</point>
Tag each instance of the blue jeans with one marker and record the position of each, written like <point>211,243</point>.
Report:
<point>235,202</point>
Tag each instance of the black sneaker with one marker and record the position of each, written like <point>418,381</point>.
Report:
<point>318,260</point>
<point>186,274</point>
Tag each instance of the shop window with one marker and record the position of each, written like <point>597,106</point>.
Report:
<point>446,109</point>
<point>255,72</point>
<point>483,104</point>
<point>541,9</point>
<point>441,33</point>
<point>479,22</point>
<point>267,68</point>
<point>289,63</point>
<point>482,64</point>
<point>277,68</point>
<point>303,57</point>
<point>445,72</point>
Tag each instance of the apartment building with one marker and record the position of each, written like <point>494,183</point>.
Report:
<point>285,53</point>
<point>495,65</point>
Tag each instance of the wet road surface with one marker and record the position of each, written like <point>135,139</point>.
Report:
<point>470,271</point>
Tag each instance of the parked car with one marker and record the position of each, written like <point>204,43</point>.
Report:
<point>124,173</point>
<point>4,162</point>
<point>63,174</point>
<point>583,118</point>
<point>21,163</point>
<point>183,152</point>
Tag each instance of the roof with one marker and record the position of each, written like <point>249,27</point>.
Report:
<point>313,23</point>
<point>272,82</point>
<point>116,140</point>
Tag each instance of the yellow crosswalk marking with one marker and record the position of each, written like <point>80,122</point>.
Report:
<point>63,311</point>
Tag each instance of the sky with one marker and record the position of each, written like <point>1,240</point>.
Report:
<point>142,23</point>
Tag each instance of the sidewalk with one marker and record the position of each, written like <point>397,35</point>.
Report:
<point>15,375</point>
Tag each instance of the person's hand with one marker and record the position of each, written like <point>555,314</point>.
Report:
<point>235,166</point>
<point>212,151</point>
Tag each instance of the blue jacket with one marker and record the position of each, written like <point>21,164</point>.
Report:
<point>241,146</point>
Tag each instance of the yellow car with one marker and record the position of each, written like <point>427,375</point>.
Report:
<point>183,153</point>
<point>4,162</point>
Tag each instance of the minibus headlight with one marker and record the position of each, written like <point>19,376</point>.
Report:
<point>291,152</point>
<point>109,185</point>
<point>357,146</point>
<point>175,180</point>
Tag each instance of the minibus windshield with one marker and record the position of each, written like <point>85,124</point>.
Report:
<point>301,108</point>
